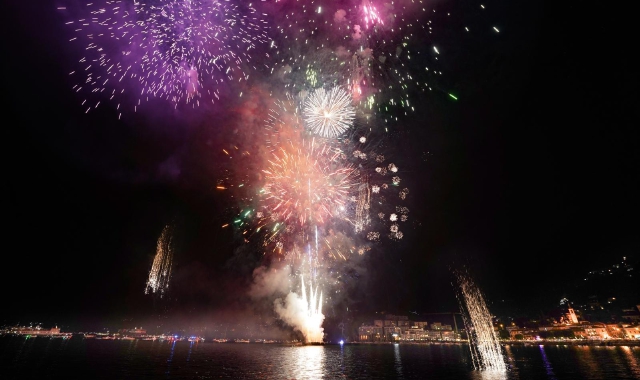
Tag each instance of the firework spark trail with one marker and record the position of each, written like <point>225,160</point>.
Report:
<point>329,113</point>
<point>283,124</point>
<point>160,272</point>
<point>486,351</point>
<point>313,314</point>
<point>177,50</point>
<point>363,204</point>
<point>371,15</point>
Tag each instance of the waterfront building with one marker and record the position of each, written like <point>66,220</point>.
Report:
<point>516,333</point>
<point>631,314</point>
<point>631,332</point>
<point>370,333</point>
<point>440,326</point>
<point>54,332</point>
<point>615,332</point>
<point>399,328</point>
<point>421,324</point>
<point>571,316</point>
<point>392,333</point>
<point>415,334</point>
<point>596,331</point>
<point>433,334</point>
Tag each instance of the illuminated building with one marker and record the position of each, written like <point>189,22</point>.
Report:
<point>392,333</point>
<point>596,331</point>
<point>370,333</point>
<point>631,332</point>
<point>571,315</point>
<point>38,331</point>
<point>440,326</point>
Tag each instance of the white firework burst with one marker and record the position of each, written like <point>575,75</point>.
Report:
<point>329,113</point>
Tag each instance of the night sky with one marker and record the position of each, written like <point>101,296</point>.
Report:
<point>529,179</point>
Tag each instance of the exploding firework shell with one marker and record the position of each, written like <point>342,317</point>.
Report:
<point>329,113</point>
<point>178,50</point>
<point>307,182</point>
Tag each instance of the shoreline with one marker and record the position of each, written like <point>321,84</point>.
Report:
<point>575,342</point>
<point>580,342</point>
<point>526,343</point>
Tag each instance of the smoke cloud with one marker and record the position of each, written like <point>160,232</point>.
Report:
<point>302,313</point>
<point>268,282</point>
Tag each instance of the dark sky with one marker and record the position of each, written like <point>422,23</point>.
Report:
<point>530,178</point>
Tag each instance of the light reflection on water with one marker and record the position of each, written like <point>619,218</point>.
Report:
<point>632,360</point>
<point>44,358</point>
<point>306,362</point>
<point>398,361</point>
<point>512,369</point>
<point>489,375</point>
<point>547,364</point>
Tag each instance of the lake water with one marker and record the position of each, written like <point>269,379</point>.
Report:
<point>79,358</point>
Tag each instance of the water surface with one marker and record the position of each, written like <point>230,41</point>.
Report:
<point>55,358</point>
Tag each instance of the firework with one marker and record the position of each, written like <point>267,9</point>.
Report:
<point>313,315</point>
<point>363,204</point>
<point>486,351</point>
<point>328,188</point>
<point>371,14</point>
<point>178,50</point>
<point>337,184</point>
<point>307,182</point>
<point>283,124</point>
<point>303,313</point>
<point>377,189</point>
<point>328,113</point>
<point>336,245</point>
<point>160,272</point>
<point>363,54</point>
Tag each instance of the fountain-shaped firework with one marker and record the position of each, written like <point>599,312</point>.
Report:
<point>486,351</point>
